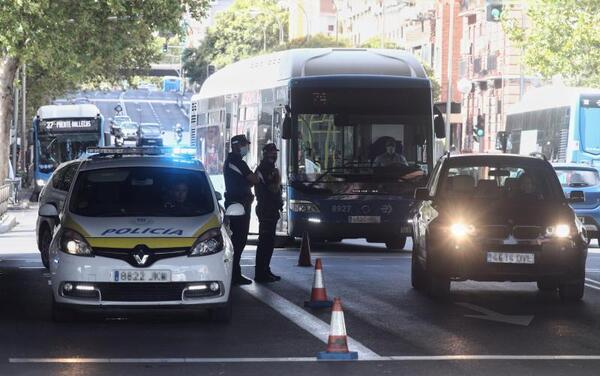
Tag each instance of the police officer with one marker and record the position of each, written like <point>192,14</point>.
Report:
<point>238,181</point>
<point>269,203</point>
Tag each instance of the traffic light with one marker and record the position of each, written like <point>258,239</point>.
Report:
<point>479,129</point>
<point>493,10</point>
<point>165,47</point>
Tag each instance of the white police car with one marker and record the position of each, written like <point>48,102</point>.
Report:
<point>140,228</point>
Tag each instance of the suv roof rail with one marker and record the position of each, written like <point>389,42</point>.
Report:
<point>537,154</point>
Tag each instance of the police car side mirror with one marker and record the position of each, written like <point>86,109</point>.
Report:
<point>218,195</point>
<point>235,210</point>
<point>286,127</point>
<point>48,210</point>
<point>576,196</point>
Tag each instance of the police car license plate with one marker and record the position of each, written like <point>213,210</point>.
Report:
<point>510,258</point>
<point>141,276</point>
<point>364,219</point>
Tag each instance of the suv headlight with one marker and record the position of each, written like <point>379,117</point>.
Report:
<point>302,206</point>
<point>209,243</point>
<point>73,243</point>
<point>559,231</point>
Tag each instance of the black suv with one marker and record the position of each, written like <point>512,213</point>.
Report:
<point>497,218</point>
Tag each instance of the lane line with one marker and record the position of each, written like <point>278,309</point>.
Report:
<point>307,359</point>
<point>303,319</point>
<point>592,281</point>
<point>592,286</point>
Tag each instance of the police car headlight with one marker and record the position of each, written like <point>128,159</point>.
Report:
<point>302,206</point>
<point>209,243</point>
<point>74,244</point>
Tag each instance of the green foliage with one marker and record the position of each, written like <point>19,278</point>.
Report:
<point>375,42</point>
<point>238,33</point>
<point>435,85</point>
<point>315,41</point>
<point>562,38</point>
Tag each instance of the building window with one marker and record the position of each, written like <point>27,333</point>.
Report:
<point>477,65</point>
<point>330,27</point>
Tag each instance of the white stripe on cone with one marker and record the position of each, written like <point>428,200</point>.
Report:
<point>318,281</point>
<point>338,325</point>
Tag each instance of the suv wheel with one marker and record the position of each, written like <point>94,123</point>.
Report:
<point>572,292</point>
<point>417,274</point>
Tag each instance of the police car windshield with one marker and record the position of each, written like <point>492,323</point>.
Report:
<point>141,191</point>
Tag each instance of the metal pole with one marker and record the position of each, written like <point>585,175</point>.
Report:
<point>24,122</point>
<point>381,44</point>
<point>450,57</point>
<point>265,38</point>
<point>521,77</point>
<point>15,122</point>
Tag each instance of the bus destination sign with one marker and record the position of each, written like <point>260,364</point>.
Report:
<point>68,124</point>
<point>590,101</point>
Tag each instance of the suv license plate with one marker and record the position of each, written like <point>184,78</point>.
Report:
<point>364,219</point>
<point>141,276</point>
<point>510,258</point>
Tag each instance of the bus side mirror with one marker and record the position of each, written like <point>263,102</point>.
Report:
<point>286,127</point>
<point>502,141</point>
<point>30,136</point>
<point>439,126</point>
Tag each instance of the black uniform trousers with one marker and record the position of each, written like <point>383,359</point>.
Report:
<point>239,226</point>
<point>266,243</point>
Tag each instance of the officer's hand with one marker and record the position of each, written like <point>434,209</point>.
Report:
<point>252,179</point>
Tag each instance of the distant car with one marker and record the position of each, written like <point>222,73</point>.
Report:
<point>573,176</point>
<point>149,134</point>
<point>497,218</point>
<point>53,193</point>
<point>81,101</point>
<point>129,129</point>
<point>119,119</point>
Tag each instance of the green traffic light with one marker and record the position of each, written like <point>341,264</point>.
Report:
<point>480,132</point>
<point>496,14</point>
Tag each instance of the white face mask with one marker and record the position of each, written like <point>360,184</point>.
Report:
<point>391,149</point>
<point>244,151</point>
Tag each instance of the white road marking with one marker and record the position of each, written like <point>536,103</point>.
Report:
<point>592,286</point>
<point>593,281</point>
<point>418,358</point>
<point>32,267</point>
<point>303,319</point>
<point>488,314</point>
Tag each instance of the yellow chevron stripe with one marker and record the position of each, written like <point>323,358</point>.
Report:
<point>71,224</point>
<point>150,242</point>
<point>211,223</point>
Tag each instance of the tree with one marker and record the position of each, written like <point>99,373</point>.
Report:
<point>375,42</point>
<point>67,42</point>
<point>238,33</point>
<point>315,41</point>
<point>561,38</point>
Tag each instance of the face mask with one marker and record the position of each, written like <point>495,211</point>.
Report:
<point>391,149</point>
<point>244,151</point>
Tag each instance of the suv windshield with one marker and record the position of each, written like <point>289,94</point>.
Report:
<point>150,130</point>
<point>497,181</point>
<point>572,177</point>
<point>141,191</point>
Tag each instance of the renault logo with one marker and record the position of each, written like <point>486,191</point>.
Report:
<point>140,256</point>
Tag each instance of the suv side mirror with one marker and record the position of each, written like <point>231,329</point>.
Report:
<point>235,210</point>
<point>422,194</point>
<point>439,126</point>
<point>218,195</point>
<point>48,210</point>
<point>576,196</point>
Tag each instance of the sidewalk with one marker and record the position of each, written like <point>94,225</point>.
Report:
<point>9,220</point>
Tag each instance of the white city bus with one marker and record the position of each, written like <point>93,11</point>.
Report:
<point>343,106</point>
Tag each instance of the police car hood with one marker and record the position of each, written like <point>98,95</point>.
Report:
<point>155,232</point>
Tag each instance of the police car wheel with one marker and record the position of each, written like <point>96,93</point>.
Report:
<point>45,240</point>
<point>61,312</point>
<point>222,314</point>
<point>397,243</point>
<point>572,292</point>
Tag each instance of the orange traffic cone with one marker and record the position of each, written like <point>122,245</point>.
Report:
<point>304,258</point>
<point>337,344</point>
<point>318,295</point>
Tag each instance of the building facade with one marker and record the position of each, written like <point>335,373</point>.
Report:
<point>311,17</point>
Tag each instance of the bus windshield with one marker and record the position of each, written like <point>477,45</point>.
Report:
<point>590,129</point>
<point>354,145</point>
<point>54,150</point>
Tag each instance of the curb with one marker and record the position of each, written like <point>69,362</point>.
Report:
<point>7,223</point>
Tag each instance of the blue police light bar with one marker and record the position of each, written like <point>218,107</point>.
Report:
<point>145,150</point>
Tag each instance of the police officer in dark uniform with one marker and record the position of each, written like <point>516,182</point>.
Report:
<point>269,203</point>
<point>238,181</point>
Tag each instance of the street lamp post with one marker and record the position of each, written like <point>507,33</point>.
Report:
<point>256,12</point>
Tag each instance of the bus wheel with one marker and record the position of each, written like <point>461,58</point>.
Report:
<point>283,241</point>
<point>397,243</point>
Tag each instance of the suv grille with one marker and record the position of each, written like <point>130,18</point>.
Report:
<point>526,232</point>
<point>494,232</point>
<point>140,292</point>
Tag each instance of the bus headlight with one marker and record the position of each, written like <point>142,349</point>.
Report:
<point>40,182</point>
<point>303,206</point>
<point>209,243</point>
<point>74,244</point>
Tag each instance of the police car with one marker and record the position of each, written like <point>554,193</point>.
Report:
<point>140,227</point>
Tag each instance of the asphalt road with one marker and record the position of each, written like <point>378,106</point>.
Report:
<point>484,328</point>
